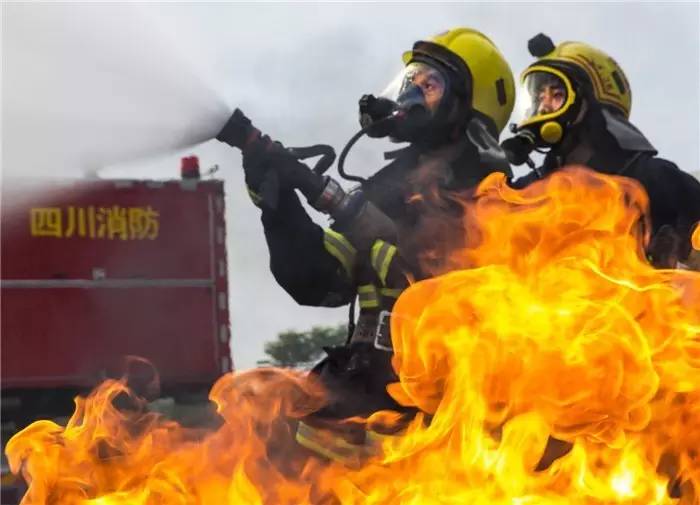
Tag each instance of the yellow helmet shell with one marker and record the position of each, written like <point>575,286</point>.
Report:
<point>493,86</point>
<point>608,82</point>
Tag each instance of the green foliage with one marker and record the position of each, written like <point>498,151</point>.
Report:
<point>298,349</point>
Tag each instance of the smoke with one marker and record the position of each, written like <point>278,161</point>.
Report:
<point>96,84</point>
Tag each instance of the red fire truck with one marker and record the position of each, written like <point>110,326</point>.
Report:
<point>97,270</point>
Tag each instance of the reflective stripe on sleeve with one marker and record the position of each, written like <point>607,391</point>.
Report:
<point>254,196</point>
<point>367,294</point>
<point>326,444</point>
<point>380,257</point>
<point>390,292</point>
<point>340,248</point>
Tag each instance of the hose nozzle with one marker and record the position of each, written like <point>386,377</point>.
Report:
<point>238,131</point>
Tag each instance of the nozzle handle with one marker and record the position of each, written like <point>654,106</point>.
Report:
<point>326,152</point>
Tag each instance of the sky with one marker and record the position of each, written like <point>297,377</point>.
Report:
<point>127,89</point>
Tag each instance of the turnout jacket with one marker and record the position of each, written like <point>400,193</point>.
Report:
<point>317,266</point>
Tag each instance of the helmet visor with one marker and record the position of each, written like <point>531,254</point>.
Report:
<point>543,95</point>
<point>428,79</point>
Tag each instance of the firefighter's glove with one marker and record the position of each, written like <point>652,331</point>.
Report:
<point>270,168</point>
<point>258,170</point>
<point>664,248</point>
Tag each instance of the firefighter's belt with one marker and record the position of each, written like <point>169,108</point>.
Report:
<point>382,337</point>
<point>374,329</point>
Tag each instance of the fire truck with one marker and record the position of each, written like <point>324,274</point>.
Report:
<point>96,272</point>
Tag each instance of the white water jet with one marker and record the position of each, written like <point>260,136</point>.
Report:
<point>88,85</point>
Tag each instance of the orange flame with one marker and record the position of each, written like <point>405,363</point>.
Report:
<point>695,239</point>
<point>552,325</point>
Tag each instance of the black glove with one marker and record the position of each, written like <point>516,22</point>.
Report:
<point>664,248</point>
<point>259,160</point>
<point>518,149</point>
<point>270,168</point>
<point>261,178</point>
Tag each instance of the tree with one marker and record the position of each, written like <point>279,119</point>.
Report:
<point>299,349</point>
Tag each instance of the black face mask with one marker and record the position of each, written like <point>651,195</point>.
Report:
<point>376,115</point>
<point>403,120</point>
<point>407,119</point>
<point>413,119</point>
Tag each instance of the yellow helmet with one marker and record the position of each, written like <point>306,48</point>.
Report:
<point>487,77</point>
<point>560,76</point>
<point>602,74</point>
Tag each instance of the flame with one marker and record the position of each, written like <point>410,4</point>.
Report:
<point>554,365</point>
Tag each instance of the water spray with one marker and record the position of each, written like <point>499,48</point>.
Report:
<point>108,90</point>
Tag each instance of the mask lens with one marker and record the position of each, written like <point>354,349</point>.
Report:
<point>421,75</point>
<point>546,93</point>
<point>429,80</point>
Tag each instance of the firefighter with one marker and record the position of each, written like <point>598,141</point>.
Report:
<point>576,105</point>
<point>449,103</point>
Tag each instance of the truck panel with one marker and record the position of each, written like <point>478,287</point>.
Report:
<point>77,336</point>
<point>93,271</point>
<point>125,229</point>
